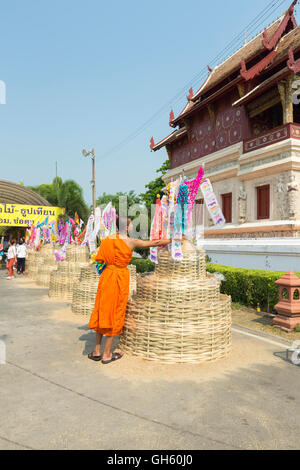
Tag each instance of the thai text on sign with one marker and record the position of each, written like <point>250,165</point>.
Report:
<point>212,203</point>
<point>21,215</point>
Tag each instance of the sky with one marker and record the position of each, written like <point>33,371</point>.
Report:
<point>84,74</point>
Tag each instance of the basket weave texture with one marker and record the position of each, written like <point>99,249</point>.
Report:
<point>77,253</point>
<point>34,262</point>
<point>85,289</point>
<point>44,271</point>
<point>30,261</point>
<point>178,314</point>
<point>62,281</point>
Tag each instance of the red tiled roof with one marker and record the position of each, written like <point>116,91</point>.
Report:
<point>233,63</point>
<point>249,51</point>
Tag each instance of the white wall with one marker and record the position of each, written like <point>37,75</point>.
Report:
<point>279,254</point>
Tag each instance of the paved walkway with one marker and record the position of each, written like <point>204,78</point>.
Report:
<point>53,397</point>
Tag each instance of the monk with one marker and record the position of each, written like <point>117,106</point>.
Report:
<point>108,315</point>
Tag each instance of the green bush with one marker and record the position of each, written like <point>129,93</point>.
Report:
<point>249,287</point>
<point>144,252</point>
<point>143,265</point>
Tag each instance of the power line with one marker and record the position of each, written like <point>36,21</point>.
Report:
<point>224,54</point>
<point>234,48</point>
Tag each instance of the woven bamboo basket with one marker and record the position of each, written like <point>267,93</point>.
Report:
<point>44,271</point>
<point>47,247</point>
<point>133,280</point>
<point>62,281</point>
<point>30,260</point>
<point>84,295</point>
<point>37,261</point>
<point>168,290</point>
<point>85,289</point>
<point>47,251</point>
<point>178,315</point>
<point>77,253</point>
<point>71,267</point>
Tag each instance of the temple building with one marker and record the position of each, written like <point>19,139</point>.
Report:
<point>243,125</point>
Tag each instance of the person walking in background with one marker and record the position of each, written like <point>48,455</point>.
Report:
<point>21,256</point>
<point>11,259</point>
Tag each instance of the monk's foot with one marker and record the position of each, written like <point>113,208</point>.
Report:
<point>94,356</point>
<point>111,358</point>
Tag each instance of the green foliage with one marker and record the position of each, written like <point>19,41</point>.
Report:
<point>67,194</point>
<point>70,196</point>
<point>104,199</point>
<point>297,329</point>
<point>143,265</point>
<point>144,252</point>
<point>250,287</point>
<point>155,187</point>
<point>145,199</point>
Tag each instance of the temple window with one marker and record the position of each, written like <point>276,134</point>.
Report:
<point>263,202</point>
<point>227,207</point>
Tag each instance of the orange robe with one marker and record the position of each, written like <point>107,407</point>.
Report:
<point>108,315</point>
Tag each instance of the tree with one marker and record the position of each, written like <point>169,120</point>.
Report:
<point>67,194</point>
<point>155,187</point>
<point>104,199</point>
<point>70,196</point>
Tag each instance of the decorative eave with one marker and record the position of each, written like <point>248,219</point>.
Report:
<point>186,113</point>
<point>183,113</point>
<point>293,65</point>
<point>207,86</point>
<point>169,139</point>
<point>257,46</point>
<point>206,82</point>
<point>257,68</point>
<point>171,119</point>
<point>262,87</point>
<point>190,95</point>
<point>271,43</point>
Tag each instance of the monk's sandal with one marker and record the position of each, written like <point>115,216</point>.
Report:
<point>115,357</point>
<point>94,358</point>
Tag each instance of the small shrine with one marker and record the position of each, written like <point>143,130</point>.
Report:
<point>288,307</point>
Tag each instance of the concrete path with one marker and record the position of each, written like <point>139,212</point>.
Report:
<point>53,397</point>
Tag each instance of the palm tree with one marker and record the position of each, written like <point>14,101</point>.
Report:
<point>67,194</point>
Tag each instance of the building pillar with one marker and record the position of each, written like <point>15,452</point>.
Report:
<point>286,92</point>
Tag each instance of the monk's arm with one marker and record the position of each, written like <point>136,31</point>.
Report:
<point>151,243</point>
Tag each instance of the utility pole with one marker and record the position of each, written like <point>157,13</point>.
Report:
<point>93,182</point>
